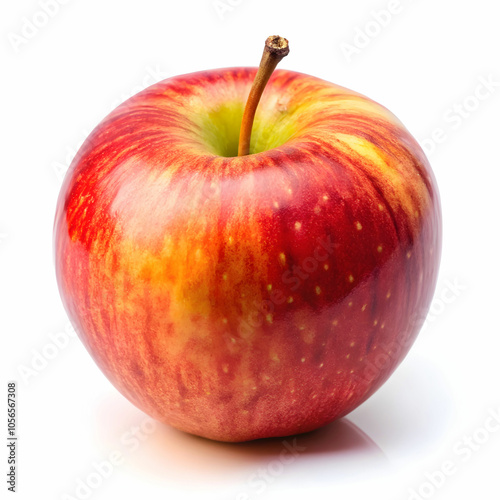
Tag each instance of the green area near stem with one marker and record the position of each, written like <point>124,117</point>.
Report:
<point>220,129</point>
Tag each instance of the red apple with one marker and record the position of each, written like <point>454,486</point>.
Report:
<point>241,297</point>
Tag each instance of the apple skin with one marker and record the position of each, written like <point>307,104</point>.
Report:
<point>239,298</point>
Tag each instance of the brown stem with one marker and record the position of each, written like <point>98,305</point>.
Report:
<point>275,50</point>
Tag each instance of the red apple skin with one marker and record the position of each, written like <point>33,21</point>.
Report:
<point>239,298</point>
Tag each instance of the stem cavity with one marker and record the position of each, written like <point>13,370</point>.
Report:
<point>275,49</point>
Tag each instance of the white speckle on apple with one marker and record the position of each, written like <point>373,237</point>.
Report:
<point>379,248</point>
<point>318,290</point>
<point>375,322</point>
<point>303,359</point>
<point>325,267</point>
<point>351,278</point>
<point>298,225</point>
<point>359,226</point>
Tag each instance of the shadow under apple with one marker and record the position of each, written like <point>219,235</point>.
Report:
<point>339,451</point>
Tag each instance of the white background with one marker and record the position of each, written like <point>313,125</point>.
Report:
<point>426,65</point>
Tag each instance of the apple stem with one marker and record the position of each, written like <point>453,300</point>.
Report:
<point>275,49</point>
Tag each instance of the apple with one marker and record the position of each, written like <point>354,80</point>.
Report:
<point>242,296</point>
